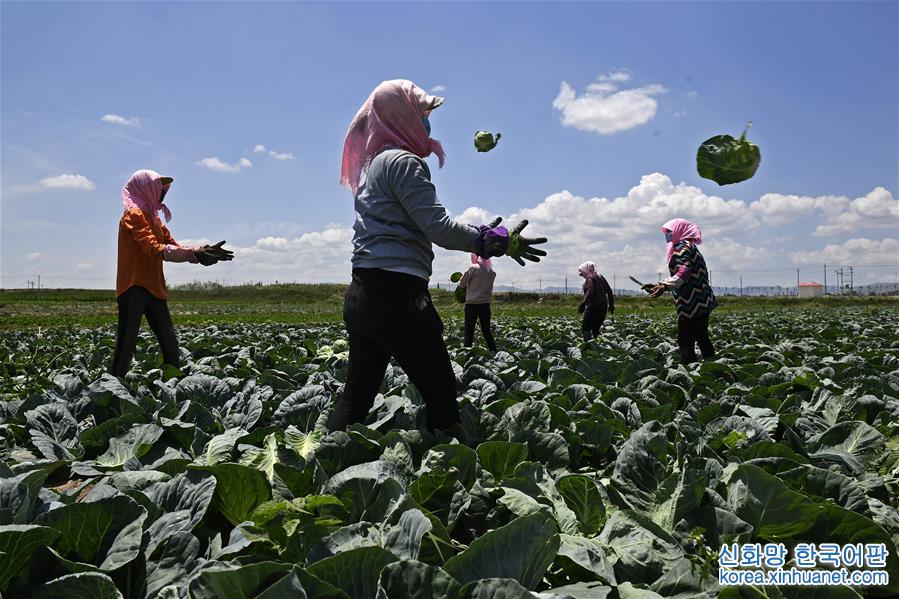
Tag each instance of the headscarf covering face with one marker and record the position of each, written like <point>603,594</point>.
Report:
<point>587,269</point>
<point>681,229</point>
<point>482,262</point>
<point>144,190</point>
<point>390,117</point>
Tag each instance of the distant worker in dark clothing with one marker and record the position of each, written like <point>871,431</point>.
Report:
<point>478,284</point>
<point>598,299</point>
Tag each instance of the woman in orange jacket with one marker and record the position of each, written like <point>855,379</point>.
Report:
<point>144,243</point>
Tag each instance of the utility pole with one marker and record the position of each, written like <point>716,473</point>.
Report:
<point>614,282</point>
<point>797,280</point>
<point>851,286</point>
<point>825,279</point>
<point>39,282</point>
<point>741,284</point>
<point>540,281</point>
<point>660,277</point>
<point>566,285</point>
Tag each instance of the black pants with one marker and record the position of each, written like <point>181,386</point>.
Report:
<point>594,316</point>
<point>389,314</point>
<point>134,304</point>
<point>691,331</point>
<point>478,312</point>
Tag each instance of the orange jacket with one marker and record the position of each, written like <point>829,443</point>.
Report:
<point>142,241</point>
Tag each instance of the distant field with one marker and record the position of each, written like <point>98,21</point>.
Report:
<point>300,304</point>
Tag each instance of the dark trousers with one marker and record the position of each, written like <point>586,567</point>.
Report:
<point>594,316</point>
<point>134,304</point>
<point>691,331</point>
<point>389,314</point>
<point>478,313</point>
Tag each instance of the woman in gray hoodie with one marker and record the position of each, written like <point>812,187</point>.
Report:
<point>388,310</point>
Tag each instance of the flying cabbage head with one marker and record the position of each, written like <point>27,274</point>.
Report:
<point>484,141</point>
<point>726,160</point>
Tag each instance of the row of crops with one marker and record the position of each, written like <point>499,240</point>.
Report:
<point>603,470</point>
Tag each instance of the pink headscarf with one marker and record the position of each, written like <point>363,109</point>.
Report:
<point>681,229</point>
<point>586,269</point>
<point>483,262</point>
<point>391,116</point>
<point>144,190</point>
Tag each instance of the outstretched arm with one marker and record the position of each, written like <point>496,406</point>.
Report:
<point>680,276</point>
<point>138,225</point>
<point>410,180</point>
<point>174,251</point>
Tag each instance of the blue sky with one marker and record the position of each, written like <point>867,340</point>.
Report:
<point>98,90</point>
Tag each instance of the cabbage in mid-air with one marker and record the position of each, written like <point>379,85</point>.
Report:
<point>726,160</point>
<point>459,293</point>
<point>484,141</point>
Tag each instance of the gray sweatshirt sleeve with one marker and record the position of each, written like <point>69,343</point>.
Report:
<point>410,180</point>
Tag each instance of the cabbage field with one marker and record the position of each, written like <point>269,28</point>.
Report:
<point>605,470</point>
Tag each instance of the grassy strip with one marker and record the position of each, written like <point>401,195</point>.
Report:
<point>320,304</point>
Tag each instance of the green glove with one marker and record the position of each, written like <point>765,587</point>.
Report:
<point>521,248</point>
<point>204,257</point>
<point>210,254</point>
<point>218,252</point>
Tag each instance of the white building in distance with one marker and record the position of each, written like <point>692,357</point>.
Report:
<point>811,289</point>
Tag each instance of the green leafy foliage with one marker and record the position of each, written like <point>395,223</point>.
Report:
<point>582,470</point>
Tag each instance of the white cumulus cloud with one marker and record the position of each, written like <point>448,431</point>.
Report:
<point>860,250</point>
<point>620,233</point>
<point>213,163</point>
<point>261,149</point>
<point>779,209</point>
<point>604,108</point>
<point>877,209</point>
<point>841,215</point>
<point>438,88</point>
<point>34,257</point>
<point>621,75</point>
<point>120,120</point>
<point>315,256</point>
<point>73,182</point>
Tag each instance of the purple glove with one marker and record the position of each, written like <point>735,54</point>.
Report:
<point>492,242</point>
